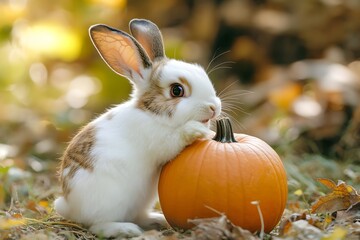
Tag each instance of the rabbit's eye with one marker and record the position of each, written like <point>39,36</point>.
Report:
<point>177,90</point>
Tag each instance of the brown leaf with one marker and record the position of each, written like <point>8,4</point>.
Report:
<point>219,228</point>
<point>39,207</point>
<point>302,229</point>
<point>341,197</point>
<point>327,182</point>
<point>286,224</point>
<point>351,214</point>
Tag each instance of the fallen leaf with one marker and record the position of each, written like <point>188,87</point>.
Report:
<point>327,182</point>
<point>299,192</point>
<point>352,214</point>
<point>16,215</point>
<point>338,234</point>
<point>7,223</point>
<point>219,228</point>
<point>302,229</point>
<point>286,224</point>
<point>327,221</point>
<point>341,197</point>
<point>41,207</point>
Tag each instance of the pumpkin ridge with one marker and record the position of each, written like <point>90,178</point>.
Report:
<point>241,184</point>
<point>219,166</point>
<point>280,186</point>
<point>199,156</point>
<point>250,146</point>
<point>227,182</point>
<point>192,155</point>
<point>275,169</point>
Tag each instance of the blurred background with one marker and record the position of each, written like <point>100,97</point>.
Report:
<point>287,71</point>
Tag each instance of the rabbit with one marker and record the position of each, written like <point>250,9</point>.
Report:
<point>109,171</point>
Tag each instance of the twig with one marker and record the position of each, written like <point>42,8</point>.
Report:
<point>262,233</point>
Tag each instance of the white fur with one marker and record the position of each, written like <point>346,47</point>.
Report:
<point>131,145</point>
<point>130,149</point>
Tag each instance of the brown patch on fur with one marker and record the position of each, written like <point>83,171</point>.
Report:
<point>185,82</point>
<point>153,100</point>
<point>77,156</point>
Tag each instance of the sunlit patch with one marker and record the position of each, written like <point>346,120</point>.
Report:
<point>79,116</point>
<point>50,39</point>
<point>12,10</point>
<point>119,4</point>
<point>7,151</point>
<point>307,107</point>
<point>80,89</point>
<point>38,73</point>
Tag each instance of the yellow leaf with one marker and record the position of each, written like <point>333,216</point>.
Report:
<point>40,207</point>
<point>350,189</point>
<point>299,192</point>
<point>337,234</point>
<point>44,203</point>
<point>328,219</point>
<point>11,222</point>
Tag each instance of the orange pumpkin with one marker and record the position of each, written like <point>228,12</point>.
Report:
<point>225,174</point>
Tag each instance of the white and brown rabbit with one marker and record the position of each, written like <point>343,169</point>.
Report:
<point>109,172</point>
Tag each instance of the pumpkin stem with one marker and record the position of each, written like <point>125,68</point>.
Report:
<point>224,132</point>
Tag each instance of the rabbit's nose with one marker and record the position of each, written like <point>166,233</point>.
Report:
<point>214,107</point>
<point>213,110</point>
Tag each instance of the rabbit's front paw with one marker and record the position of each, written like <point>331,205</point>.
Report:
<point>153,220</point>
<point>194,130</point>
<point>116,229</point>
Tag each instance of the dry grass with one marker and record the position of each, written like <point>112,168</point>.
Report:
<point>26,207</point>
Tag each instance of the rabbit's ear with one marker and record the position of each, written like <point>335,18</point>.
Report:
<point>149,36</point>
<point>120,51</point>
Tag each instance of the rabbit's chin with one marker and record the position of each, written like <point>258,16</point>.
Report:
<point>206,121</point>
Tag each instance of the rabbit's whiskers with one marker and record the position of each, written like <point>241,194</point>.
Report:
<point>209,69</point>
<point>231,103</point>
